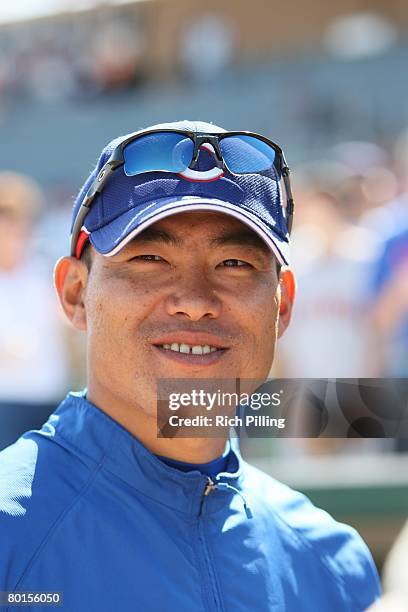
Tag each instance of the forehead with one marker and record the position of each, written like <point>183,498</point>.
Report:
<point>204,223</point>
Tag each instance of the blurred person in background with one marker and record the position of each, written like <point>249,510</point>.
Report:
<point>388,283</point>
<point>390,274</point>
<point>390,216</point>
<point>389,340</point>
<point>329,332</point>
<point>390,308</point>
<point>33,366</point>
<point>334,257</point>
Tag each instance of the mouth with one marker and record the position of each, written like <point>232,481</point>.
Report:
<point>188,349</point>
<point>203,350</point>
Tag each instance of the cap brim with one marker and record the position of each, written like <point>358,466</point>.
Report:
<point>111,238</point>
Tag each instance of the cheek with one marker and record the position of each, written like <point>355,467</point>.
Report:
<point>120,303</point>
<point>256,312</point>
<point>115,313</point>
<point>259,308</point>
<point>265,325</point>
<point>266,334</point>
<point>115,351</point>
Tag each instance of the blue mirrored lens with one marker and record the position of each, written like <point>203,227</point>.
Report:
<point>246,154</point>
<point>161,151</point>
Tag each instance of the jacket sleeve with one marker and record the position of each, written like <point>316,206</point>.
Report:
<point>339,551</point>
<point>38,480</point>
<point>326,559</point>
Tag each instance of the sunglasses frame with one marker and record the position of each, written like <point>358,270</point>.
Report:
<point>116,159</point>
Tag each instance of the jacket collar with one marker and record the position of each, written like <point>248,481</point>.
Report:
<point>93,434</point>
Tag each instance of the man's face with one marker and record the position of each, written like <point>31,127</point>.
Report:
<point>198,279</point>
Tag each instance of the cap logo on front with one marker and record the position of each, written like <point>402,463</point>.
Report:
<point>203,175</point>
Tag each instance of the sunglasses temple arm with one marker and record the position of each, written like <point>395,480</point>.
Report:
<point>76,230</point>
<point>86,204</point>
<point>290,203</point>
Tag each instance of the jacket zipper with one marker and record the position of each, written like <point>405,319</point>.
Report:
<point>209,487</point>
<point>214,598</point>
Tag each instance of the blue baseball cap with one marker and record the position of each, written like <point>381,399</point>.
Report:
<point>127,205</point>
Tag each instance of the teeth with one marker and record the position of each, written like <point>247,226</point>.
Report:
<point>197,349</point>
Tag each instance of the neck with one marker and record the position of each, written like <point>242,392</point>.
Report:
<point>144,427</point>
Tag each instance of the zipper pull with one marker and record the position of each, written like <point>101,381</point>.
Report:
<point>224,486</point>
<point>210,486</point>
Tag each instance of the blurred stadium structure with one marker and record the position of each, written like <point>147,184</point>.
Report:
<point>327,81</point>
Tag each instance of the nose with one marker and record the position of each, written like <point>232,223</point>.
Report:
<point>193,298</point>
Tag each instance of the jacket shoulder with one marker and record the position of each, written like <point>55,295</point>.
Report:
<point>39,479</point>
<point>314,537</point>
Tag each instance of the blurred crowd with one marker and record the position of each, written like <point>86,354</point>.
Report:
<point>74,59</point>
<point>350,255</point>
<point>350,250</point>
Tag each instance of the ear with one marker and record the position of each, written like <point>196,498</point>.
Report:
<point>70,280</point>
<point>287,284</point>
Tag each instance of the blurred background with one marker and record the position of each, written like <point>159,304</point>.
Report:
<point>325,80</point>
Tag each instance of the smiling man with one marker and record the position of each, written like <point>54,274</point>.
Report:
<point>178,269</point>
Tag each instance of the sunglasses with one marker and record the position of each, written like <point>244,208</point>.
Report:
<point>170,150</point>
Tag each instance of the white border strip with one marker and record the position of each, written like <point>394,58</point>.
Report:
<point>205,204</point>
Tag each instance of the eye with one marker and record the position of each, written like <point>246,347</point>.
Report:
<point>147,258</point>
<point>234,263</point>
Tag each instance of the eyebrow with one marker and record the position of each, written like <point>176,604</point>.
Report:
<point>242,237</point>
<point>154,235</point>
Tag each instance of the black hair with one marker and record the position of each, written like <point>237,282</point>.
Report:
<point>86,255</point>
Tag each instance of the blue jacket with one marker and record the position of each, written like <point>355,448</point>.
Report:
<point>87,510</point>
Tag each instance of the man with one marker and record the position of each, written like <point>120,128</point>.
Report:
<point>184,232</point>
<point>33,361</point>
